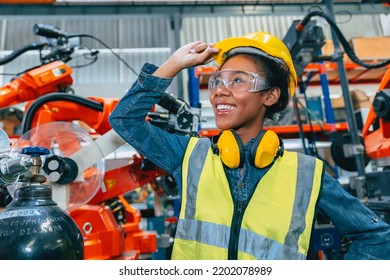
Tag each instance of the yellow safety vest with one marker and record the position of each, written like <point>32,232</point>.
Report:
<point>275,224</point>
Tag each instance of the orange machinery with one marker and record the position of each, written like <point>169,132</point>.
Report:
<point>104,236</point>
<point>376,131</point>
<point>376,136</point>
<point>44,88</point>
<point>48,78</point>
<point>53,74</point>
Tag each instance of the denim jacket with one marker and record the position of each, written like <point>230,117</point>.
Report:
<point>369,236</point>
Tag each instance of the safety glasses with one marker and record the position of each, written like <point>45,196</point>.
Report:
<point>237,81</point>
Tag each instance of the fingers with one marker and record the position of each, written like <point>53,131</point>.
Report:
<point>200,47</point>
<point>206,55</point>
<point>193,54</point>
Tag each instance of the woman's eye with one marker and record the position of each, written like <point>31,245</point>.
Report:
<point>218,82</point>
<point>237,80</point>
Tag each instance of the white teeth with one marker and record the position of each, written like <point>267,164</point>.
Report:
<point>225,107</point>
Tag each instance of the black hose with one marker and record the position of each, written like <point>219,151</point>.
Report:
<point>20,51</point>
<point>39,102</point>
<point>347,48</point>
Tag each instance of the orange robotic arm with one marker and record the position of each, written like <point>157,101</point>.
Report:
<point>376,131</point>
<point>93,111</point>
<point>48,78</point>
<point>104,237</point>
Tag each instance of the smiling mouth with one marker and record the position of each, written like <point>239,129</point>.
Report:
<point>225,107</point>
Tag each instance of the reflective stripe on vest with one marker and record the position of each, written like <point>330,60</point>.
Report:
<point>272,227</point>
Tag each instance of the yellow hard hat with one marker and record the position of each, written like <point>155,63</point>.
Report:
<point>268,45</point>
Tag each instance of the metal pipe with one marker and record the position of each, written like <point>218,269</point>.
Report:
<point>352,127</point>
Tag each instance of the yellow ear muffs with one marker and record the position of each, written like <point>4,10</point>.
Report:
<point>266,147</point>
<point>231,149</point>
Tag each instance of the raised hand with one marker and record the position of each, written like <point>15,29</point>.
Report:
<point>192,54</point>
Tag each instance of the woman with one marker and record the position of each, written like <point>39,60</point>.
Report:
<point>243,196</point>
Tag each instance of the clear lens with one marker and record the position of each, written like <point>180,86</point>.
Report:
<point>237,81</point>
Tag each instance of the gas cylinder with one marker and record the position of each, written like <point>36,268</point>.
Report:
<point>33,226</point>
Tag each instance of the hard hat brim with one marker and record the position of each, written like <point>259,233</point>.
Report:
<point>228,44</point>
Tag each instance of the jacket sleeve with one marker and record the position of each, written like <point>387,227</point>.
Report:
<point>369,235</point>
<point>128,119</point>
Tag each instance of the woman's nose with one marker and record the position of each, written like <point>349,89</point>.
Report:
<point>222,90</point>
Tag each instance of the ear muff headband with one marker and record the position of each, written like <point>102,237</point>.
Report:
<point>231,149</point>
<point>266,147</point>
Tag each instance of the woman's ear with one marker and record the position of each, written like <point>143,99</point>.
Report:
<point>272,97</point>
